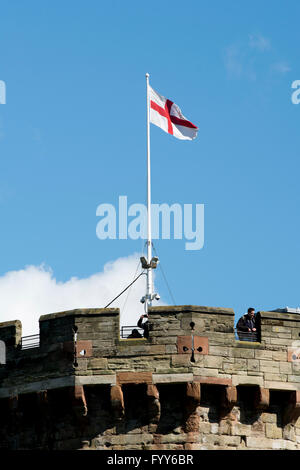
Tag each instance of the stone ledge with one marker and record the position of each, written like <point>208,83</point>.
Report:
<point>16,323</point>
<point>49,384</point>
<point>280,316</point>
<point>273,385</point>
<point>79,312</point>
<point>105,379</point>
<point>247,380</point>
<point>248,344</point>
<point>190,309</point>
<point>212,380</point>
<point>172,378</point>
<point>128,377</point>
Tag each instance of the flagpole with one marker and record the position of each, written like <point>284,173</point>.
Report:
<point>149,293</point>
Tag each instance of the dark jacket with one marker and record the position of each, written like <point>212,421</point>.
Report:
<point>245,322</point>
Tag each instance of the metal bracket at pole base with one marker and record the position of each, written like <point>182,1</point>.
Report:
<point>149,298</point>
<point>153,263</point>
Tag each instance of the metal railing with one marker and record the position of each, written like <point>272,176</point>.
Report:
<point>252,336</point>
<point>29,342</point>
<point>33,341</point>
<point>127,331</point>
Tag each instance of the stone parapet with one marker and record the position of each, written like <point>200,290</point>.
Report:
<point>191,355</point>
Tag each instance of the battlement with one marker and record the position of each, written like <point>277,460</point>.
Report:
<point>189,349</point>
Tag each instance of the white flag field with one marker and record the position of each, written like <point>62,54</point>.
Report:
<point>168,116</point>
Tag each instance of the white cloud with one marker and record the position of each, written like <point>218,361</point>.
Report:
<point>238,62</point>
<point>241,59</point>
<point>33,291</point>
<point>281,67</point>
<point>233,61</point>
<point>259,42</point>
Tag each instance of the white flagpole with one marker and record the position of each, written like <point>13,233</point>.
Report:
<point>148,300</point>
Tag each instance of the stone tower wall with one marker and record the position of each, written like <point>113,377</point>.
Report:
<point>190,385</point>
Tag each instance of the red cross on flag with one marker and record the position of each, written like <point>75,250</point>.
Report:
<point>168,116</point>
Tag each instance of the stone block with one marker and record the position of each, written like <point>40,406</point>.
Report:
<point>193,392</point>
<point>185,360</point>
<point>262,398</point>
<point>133,349</point>
<point>281,341</point>
<point>164,340</point>
<point>269,418</point>
<point>97,363</point>
<point>211,439</point>
<point>214,428</point>
<point>295,333</point>
<point>230,441</point>
<point>285,367</point>
<point>172,438</point>
<point>243,353</point>
<point>294,378</point>
<point>247,380</point>
<point>279,355</point>
<point>171,349</point>
<point>281,444</point>
<point>96,379</point>
<point>239,365</point>
<point>199,323</point>
<point>253,365</point>
<point>258,428</point>
<point>269,366</point>
<point>259,443</point>
<point>204,428</point>
<point>134,377</point>
<point>224,351</point>
<point>280,329</point>
<point>277,377</point>
<point>229,397</point>
<point>263,354</point>
<point>219,339</point>
<point>238,429</point>
<point>276,385</point>
<point>135,439</point>
<point>225,427</point>
<point>152,391</point>
<point>220,380</point>
<point>193,446</point>
<point>210,373</point>
<point>295,368</point>
<point>273,431</point>
<point>213,361</point>
<point>289,432</point>
<point>172,378</point>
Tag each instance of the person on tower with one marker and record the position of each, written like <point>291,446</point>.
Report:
<point>247,326</point>
<point>145,325</point>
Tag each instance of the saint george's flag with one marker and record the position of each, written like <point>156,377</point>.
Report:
<point>168,116</point>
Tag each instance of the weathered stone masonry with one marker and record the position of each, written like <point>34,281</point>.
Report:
<point>191,385</point>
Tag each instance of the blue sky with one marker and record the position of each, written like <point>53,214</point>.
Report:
<point>73,136</point>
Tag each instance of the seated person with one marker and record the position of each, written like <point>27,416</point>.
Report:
<point>145,325</point>
<point>134,334</point>
<point>246,326</point>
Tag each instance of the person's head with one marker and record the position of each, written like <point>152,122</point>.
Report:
<point>251,312</point>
